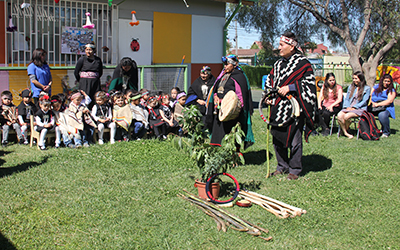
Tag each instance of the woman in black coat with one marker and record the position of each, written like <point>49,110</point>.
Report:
<point>125,76</point>
<point>198,91</point>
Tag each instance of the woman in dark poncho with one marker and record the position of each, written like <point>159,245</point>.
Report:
<point>125,76</point>
<point>231,78</point>
<point>88,71</point>
<point>198,91</point>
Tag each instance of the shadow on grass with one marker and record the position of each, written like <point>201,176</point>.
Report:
<point>256,157</point>
<point>20,168</point>
<point>5,243</point>
<point>315,163</point>
<point>3,153</point>
<point>393,131</point>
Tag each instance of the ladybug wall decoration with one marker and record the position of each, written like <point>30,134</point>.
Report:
<point>135,46</point>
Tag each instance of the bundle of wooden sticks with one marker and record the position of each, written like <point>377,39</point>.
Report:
<point>224,219</point>
<point>280,209</point>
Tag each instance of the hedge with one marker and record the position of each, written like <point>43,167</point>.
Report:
<point>255,74</point>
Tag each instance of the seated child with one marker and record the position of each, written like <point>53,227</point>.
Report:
<point>174,93</point>
<point>140,115</point>
<point>44,120</point>
<point>122,116</point>
<point>144,97</point>
<point>9,117</point>
<point>167,115</point>
<point>102,114</point>
<point>60,118</point>
<point>79,118</point>
<point>156,122</point>
<point>25,109</point>
<point>178,105</point>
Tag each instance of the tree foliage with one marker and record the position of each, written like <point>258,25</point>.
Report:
<point>364,27</point>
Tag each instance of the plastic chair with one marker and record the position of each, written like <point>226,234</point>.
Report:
<point>36,135</point>
<point>354,120</point>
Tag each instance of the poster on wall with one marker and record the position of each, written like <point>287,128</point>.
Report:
<point>74,39</point>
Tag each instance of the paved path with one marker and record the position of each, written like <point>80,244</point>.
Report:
<point>256,94</point>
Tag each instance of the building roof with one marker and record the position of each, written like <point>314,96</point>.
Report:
<point>245,52</point>
<point>320,50</point>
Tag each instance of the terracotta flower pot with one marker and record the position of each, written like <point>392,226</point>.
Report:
<point>201,188</point>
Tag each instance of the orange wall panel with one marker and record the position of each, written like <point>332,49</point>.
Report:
<point>18,81</point>
<point>172,36</point>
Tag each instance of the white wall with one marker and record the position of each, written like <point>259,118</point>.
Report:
<point>144,32</point>
<point>207,39</point>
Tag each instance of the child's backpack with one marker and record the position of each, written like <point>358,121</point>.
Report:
<point>367,127</point>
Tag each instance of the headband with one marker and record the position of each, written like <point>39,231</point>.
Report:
<point>230,59</point>
<point>54,100</point>
<point>8,96</point>
<point>153,97</point>
<point>145,93</point>
<point>89,45</point>
<point>76,95</point>
<point>206,69</point>
<point>289,41</point>
<point>182,94</point>
<point>135,97</point>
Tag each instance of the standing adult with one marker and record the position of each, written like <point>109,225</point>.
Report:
<point>382,98</point>
<point>231,78</point>
<point>125,76</point>
<point>39,74</point>
<point>88,71</point>
<point>198,91</point>
<point>355,102</point>
<point>292,74</point>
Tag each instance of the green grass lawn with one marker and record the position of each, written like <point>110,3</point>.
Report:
<point>124,196</point>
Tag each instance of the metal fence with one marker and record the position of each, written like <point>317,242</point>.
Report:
<point>155,78</point>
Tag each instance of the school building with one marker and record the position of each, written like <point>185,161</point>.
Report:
<point>170,33</point>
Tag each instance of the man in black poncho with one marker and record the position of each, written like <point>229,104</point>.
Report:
<point>291,75</point>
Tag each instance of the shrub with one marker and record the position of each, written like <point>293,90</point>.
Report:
<point>255,74</point>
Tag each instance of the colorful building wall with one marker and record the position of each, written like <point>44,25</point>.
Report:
<point>168,32</point>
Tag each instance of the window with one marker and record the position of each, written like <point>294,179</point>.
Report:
<point>41,24</point>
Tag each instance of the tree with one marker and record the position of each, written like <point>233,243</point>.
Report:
<point>311,46</point>
<point>371,25</point>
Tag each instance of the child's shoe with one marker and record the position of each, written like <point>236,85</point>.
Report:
<point>26,142</point>
<point>71,145</point>
<point>42,147</point>
<point>101,142</point>
<point>86,144</point>
<point>78,146</point>
<point>126,139</point>
<point>4,144</point>
<point>112,141</point>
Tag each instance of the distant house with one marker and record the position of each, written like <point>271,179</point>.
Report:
<point>246,55</point>
<point>320,50</point>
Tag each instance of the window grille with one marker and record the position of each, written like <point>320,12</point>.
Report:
<point>40,25</point>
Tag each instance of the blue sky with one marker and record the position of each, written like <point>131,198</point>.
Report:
<point>245,39</point>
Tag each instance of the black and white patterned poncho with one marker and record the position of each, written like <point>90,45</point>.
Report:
<point>295,70</point>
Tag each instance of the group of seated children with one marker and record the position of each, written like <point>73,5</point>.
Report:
<point>129,116</point>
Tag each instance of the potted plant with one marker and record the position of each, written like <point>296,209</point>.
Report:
<point>210,159</point>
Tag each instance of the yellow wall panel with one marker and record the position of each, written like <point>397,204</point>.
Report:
<point>18,80</point>
<point>172,34</point>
